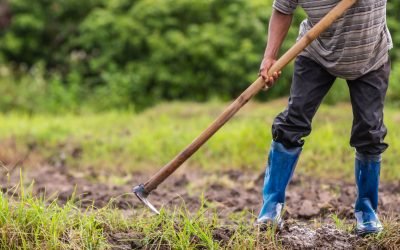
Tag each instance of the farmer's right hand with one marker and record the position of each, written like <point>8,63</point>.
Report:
<point>266,64</point>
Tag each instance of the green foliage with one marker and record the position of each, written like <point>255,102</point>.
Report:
<point>144,50</point>
<point>32,92</point>
<point>393,20</point>
<point>393,95</point>
<point>132,54</point>
<point>43,31</point>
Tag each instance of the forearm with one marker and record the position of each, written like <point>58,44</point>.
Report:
<point>278,28</point>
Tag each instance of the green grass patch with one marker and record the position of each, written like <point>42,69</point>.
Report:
<point>146,141</point>
<point>28,222</point>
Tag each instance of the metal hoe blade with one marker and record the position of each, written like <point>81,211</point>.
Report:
<point>142,195</point>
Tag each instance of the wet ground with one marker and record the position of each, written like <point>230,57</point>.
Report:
<point>310,202</point>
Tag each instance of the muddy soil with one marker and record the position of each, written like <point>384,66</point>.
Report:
<point>310,202</point>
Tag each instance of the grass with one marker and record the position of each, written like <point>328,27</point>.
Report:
<point>123,141</point>
<point>130,142</point>
<point>342,224</point>
<point>29,222</point>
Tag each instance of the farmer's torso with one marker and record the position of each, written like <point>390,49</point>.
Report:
<point>355,44</point>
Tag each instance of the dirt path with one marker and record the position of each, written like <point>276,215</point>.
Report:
<point>310,202</point>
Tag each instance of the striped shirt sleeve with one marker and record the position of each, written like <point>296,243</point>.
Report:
<point>285,6</point>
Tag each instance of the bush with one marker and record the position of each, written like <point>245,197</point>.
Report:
<point>393,95</point>
<point>144,51</point>
<point>131,54</point>
<point>393,19</point>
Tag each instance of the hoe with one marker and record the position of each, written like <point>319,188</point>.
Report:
<point>142,191</point>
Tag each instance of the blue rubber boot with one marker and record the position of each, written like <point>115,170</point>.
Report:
<point>281,164</point>
<point>367,171</point>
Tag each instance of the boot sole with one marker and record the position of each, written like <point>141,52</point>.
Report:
<point>363,233</point>
<point>269,225</point>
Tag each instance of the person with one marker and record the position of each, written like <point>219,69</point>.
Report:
<point>354,48</point>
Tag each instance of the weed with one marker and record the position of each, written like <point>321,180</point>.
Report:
<point>342,224</point>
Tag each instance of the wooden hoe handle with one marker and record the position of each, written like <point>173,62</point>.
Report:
<point>252,90</point>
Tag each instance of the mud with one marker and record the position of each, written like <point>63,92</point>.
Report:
<point>301,236</point>
<point>310,202</point>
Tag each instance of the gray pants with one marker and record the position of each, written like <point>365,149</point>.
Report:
<point>310,84</point>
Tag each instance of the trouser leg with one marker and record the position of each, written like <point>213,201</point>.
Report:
<point>367,136</point>
<point>310,84</point>
<point>367,95</point>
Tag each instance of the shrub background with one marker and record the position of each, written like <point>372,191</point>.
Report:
<point>96,55</point>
